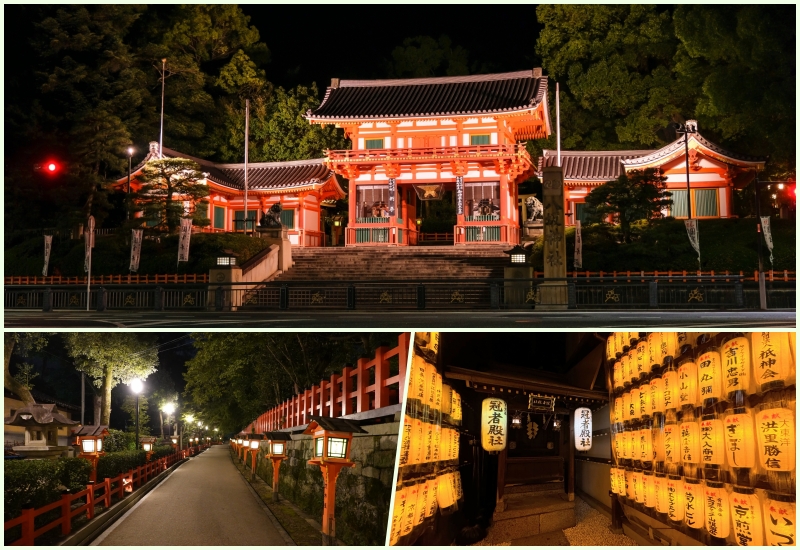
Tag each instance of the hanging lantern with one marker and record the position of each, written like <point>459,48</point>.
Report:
<point>657,394</point>
<point>748,527</point>
<point>776,439</point>
<point>662,493</point>
<point>772,359</point>
<point>736,364</point>
<point>693,504</point>
<point>638,486</point>
<point>645,398</point>
<point>712,441</point>
<point>634,366</point>
<point>781,519</point>
<point>653,349</point>
<point>445,495</point>
<point>642,356</point>
<point>626,406</point>
<point>494,414</point>
<point>433,503</point>
<point>646,444</point>
<point>633,412</point>
<point>687,376</point>
<point>409,513</point>
<point>629,484</point>
<point>611,353</point>
<point>583,429</point>
<point>627,372</point>
<point>672,442</point>
<point>709,374</point>
<point>675,498</point>
<point>422,502</point>
<point>618,376</point>
<point>618,404</point>
<point>690,442</point>
<point>717,510</point>
<point>648,480</point>
<point>623,436</point>
<point>659,451</point>
<point>669,344</point>
<point>619,344</point>
<point>740,440</point>
<point>671,387</point>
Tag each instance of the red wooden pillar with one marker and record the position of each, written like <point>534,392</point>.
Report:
<point>346,408</point>
<point>330,472</point>
<point>276,467</point>
<point>381,374</point>
<point>333,406</point>
<point>403,344</point>
<point>362,400</point>
<point>322,403</point>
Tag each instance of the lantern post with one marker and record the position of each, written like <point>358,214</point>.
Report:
<point>276,451</point>
<point>147,445</point>
<point>255,445</point>
<point>332,438</point>
<point>89,440</point>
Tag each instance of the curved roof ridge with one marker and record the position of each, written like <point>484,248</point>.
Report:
<point>625,152</point>
<point>675,146</point>
<point>437,79</point>
<point>278,164</point>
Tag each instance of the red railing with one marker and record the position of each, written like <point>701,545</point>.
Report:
<point>129,279</point>
<point>428,154</point>
<point>109,487</point>
<point>677,275</point>
<point>346,393</point>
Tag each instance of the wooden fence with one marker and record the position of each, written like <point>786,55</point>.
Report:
<point>770,275</point>
<point>132,279</point>
<point>109,487</point>
<point>357,389</point>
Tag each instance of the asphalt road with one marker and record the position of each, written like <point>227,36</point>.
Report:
<point>203,502</point>
<point>403,320</point>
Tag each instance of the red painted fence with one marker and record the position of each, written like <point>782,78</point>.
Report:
<point>110,486</point>
<point>127,279</point>
<point>346,393</point>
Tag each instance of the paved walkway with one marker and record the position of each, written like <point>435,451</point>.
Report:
<point>203,502</point>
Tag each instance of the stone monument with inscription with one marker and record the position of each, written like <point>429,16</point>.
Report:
<point>553,294</point>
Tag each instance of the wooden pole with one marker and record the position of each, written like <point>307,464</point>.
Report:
<point>330,471</point>
<point>571,463</point>
<point>276,466</point>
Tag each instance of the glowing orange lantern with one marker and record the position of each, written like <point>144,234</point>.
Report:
<point>776,439</point>
<point>400,503</point>
<point>690,442</point>
<point>746,517</point>
<point>687,376</point>
<point>693,504</point>
<point>633,412</point>
<point>672,449</point>
<point>627,372</point>
<point>619,376</point>
<point>671,387</point>
<point>611,353</point>
<point>740,440</point>
<point>645,444</point>
<point>643,356</point>
<point>712,441</point>
<point>717,511</point>
<point>648,480</point>
<point>629,484</point>
<point>494,420</point>
<point>662,493</point>
<point>669,344</point>
<point>645,398</point>
<point>657,394</point>
<point>638,486</point>
<point>618,405</point>
<point>772,359</point>
<point>675,498</point>
<point>626,406</point>
<point>614,481</point>
<point>619,343</point>
<point>653,349</point>
<point>735,354</point>
<point>659,451</point>
<point>709,374</point>
<point>638,363</point>
<point>781,519</point>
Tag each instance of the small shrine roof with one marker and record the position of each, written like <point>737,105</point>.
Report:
<point>278,436</point>
<point>44,398</point>
<point>600,166</point>
<point>424,97</point>
<point>91,430</point>
<point>677,148</point>
<point>333,425</point>
<point>38,414</point>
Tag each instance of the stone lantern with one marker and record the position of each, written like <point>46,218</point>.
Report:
<point>276,451</point>
<point>89,440</point>
<point>332,439</point>
<point>518,292</point>
<point>148,444</point>
<point>254,442</point>
<point>41,423</point>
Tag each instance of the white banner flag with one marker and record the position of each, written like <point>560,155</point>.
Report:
<point>136,249</point>
<point>767,235</point>
<point>48,244</point>
<point>183,244</point>
<point>87,250</point>
<point>694,236</point>
<point>578,262</point>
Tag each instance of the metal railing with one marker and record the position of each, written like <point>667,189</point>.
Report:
<point>643,292</point>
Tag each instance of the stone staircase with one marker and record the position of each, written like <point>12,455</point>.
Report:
<point>528,510</point>
<point>395,263</point>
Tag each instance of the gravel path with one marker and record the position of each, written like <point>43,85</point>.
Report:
<point>593,529</point>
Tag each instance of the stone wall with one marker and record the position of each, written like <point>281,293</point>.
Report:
<point>363,492</point>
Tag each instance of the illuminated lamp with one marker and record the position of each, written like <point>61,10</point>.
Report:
<point>772,360</point>
<point>614,481</point>
<point>625,365</point>
<point>494,413</point>
<point>518,255</point>
<point>687,380</point>
<point>712,441</point>
<point>276,449</point>
<point>657,394</point>
<point>629,484</point>
<point>740,440</point>
<point>624,447</point>
<point>226,259</point>
<point>583,429</point>
<point>693,504</point>
<point>653,349</point>
<point>645,398</point>
<point>90,440</point>
<point>619,344</point>
<point>638,486</point>
<point>690,442</point>
<point>659,451</point>
<point>148,445</point>
<point>672,443</point>
<point>618,405</point>
<point>735,355</point>
<point>748,525</point>
<point>618,376</point>
<point>447,402</point>
<point>675,498</point>
<point>648,480</point>
<point>709,375</point>
<point>776,437</point>
<point>643,354</point>
<point>671,386</point>
<point>611,353</point>
<point>646,444</point>
<point>633,412</point>
<point>446,496</point>
<point>556,425</point>
<point>717,510</point>
<point>516,420</point>
<point>662,494</point>
<point>780,519</point>
<point>398,512</point>
<point>626,406</point>
<point>637,369</point>
<point>407,520</point>
<point>668,347</point>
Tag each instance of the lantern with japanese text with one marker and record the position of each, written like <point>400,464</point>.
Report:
<point>653,349</point>
<point>619,376</point>
<point>645,440</point>
<point>627,372</point>
<point>642,356</point>
<point>410,508</point>
<point>748,525</point>
<point>626,406</point>
<point>613,477</point>
<point>740,439</point>
<point>672,443</point>
<point>633,412</point>
<point>668,347</point>
<point>735,355</point>
<point>657,393</point>
<point>772,360</point>
<point>583,429</point>
<point>687,378</point>
<point>717,510</point>
<point>662,494</point>
<point>690,442</point>
<point>400,503</point>
<point>780,519</point>
<point>446,493</point>
<point>776,438</point>
<point>629,484</point>
<point>645,407</point>
<point>712,441</point>
<point>693,504</point>
<point>671,386</point>
<point>648,480</point>
<point>634,374</point>
<point>658,439</point>
<point>675,498</point>
<point>618,404</point>
<point>494,413</point>
<point>638,486</point>
<point>619,343</point>
<point>611,353</point>
<point>709,374</point>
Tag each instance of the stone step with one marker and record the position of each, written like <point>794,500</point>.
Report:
<point>527,515</point>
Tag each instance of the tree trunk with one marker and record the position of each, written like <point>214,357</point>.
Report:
<point>161,422</point>
<point>97,401</point>
<point>108,379</point>
<point>10,340</point>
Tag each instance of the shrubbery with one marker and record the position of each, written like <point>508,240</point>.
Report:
<point>113,464</point>
<point>162,451</point>
<point>36,483</point>
<point>117,441</point>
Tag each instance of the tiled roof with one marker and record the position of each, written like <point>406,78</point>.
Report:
<point>417,97</point>
<point>333,425</point>
<point>38,414</point>
<point>600,166</point>
<point>677,147</point>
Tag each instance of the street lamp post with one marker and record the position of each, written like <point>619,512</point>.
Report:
<point>690,127</point>
<point>136,388</point>
<point>128,189</point>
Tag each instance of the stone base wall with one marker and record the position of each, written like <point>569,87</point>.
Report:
<point>363,492</point>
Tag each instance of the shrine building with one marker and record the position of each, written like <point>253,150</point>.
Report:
<point>302,187</point>
<point>414,139</point>
<point>714,173</point>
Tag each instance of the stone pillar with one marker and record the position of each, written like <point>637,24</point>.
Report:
<point>223,276</point>
<point>554,293</point>
<point>278,236</point>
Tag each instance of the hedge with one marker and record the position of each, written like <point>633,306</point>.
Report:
<point>113,464</point>
<point>36,483</point>
<point>117,441</point>
<point>162,451</point>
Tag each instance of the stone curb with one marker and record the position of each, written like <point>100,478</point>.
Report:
<point>95,528</point>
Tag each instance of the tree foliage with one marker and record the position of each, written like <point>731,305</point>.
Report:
<point>21,343</point>
<point>637,195</point>
<point>111,358</point>
<point>166,184</point>
<point>423,56</point>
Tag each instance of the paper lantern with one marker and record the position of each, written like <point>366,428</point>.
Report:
<point>627,372</point>
<point>772,359</point>
<point>626,406</point>
<point>657,394</point>
<point>409,513</point>
<point>437,393</point>
<point>621,481</point>
<point>619,344</point>
<point>712,441</point>
<point>687,377</point>
<point>662,493</point>
<point>619,376</point>
<point>645,445</point>
<point>740,440</point>
<point>629,484</point>
<point>671,388</point>
<point>645,407</point>
<point>709,375</point>
<point>675,498</point>
<point>583,429</point>
<point>400,498</point>
<point>447,401</point>
<point>669,344</point>
<point>416,382</point>
<point>445,495</point>
<point>780,519</point>
<point>494,413</point>
<point>618,404</point>
<point>672,444</point>
<point>736,364</point>
<point>717,510</point>
<point>653,349</point>
<point>748,526</point>
<point>693,504</point>
<point>638,486</point>
<point>405,442</point>
<point>632,365</point>
<point>422,503</point>
<point>613,478</point>
<point>611,353</point>
<point>648,480</point>
<point>456,477</point>
<point>637,364</point>
<point>433,503</point>
<point>690,442</point>
<point>642,357</point>
<point>633,412</point>
<point>436,445</point>
<point>659,452</point>
<point>776,439</point>
<point>427,445</point>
